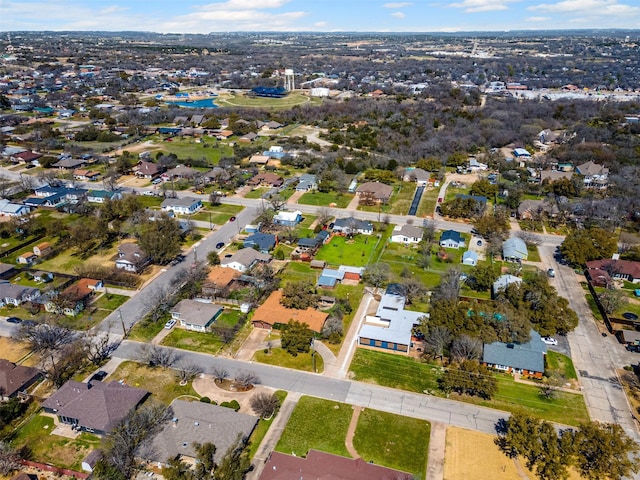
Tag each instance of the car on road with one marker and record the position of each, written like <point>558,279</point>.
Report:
<point>177,260</point>
<point>14,320</point>
<point>169,325</point>
<point>550,340</point>
<point>149,193</point>
<point>232,219</point>
<point>156,181</point>
<point>98,376</point>
<point>551,272</point>
<point>219,245</point>
<point>630,316</point>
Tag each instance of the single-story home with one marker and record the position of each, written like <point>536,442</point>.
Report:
<point>526,359</point>
<point>407,234</point>
<point>266,178</point>
<point>351,225</point>
<point>418,175</point>
<point>12,294</point>
<point>534,208</point>
<point>307,182</point>
<point>198,422</point>
<point>131,257</point>
<point>15,379</point>
<point>390,329</point>
<point>503,281</point>
<point>218,279</point>
<point>288,219</point>
<point>272,312</point>
<point>182,206</point>
<point>85,175</point>
<point>94,407</point>
<point>76,296</point>
<point>101,196</point>
<point>10,209</point>
<point>514,249</point>
<point>148,170</point>
<point>470,258</point>
<point>451,239</point>
<point>196,316</point>
<point>181,171</point>
<point>26,258</point>
<point>263,242</point>
<point>244,259</point>
<point>380,192</point>
<point>614,269</point>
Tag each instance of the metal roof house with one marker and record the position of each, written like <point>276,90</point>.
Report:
<point>524,358</point>
<point>504,281</point>
<point>451,239</point>
<point>514,250</point>
<point>470,258</point>
<point>263,242</point>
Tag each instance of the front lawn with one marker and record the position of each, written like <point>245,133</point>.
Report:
<point>393,441</point>
<point>533,254</point>
<point>256,192</point>
<point>47,448</point>
<point>561,364</point>
<point>354,251</point>
<point>402,197</point>
<point>282,358</point>
<point>163,383</point>
<point>263,427</point>
<point>309,425</point>
<point>407,374</point>
<point>205,342</point>
<point>428,202</point>
<point>340,200</point>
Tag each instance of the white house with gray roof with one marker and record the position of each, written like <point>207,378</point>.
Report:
<point>514,249</point>
<point>196,316</point>
<point>503,281</point>
<point>198,422</point>
<point>524,358</point>
<point>244,259</point>
<point>182,206</point>
<point>407,234</point>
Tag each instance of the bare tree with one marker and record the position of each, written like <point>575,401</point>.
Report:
<point>413,289</point>
<point>246,379</point>
<point>156,356</point>
<point>100,347</point>
<point>219,374</point>
<point>465,347</point>
<point>9,459</point>
<point>159,302</point>
<point>323,215</point>
<point>612,300</point>
<point>548,389</point>
<point>277,202</point>
<point>265,404</point>
<point>187,371</point>
<point>26,182</point>
<point>436,341</point>
<point>449,287</point>
<point>5,186</point>
<point>110,179</point>
<point>529,238</point>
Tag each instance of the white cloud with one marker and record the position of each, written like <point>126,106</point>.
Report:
<point>397,4</point>
<point>321,24</point>
<point>398,14</point>
<point>474,6</point>
<point>599,8</point>
<point>245,4</point>
<point>538,19</point>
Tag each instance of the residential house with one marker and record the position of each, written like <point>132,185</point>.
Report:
<point>26,258</point>
<point>266,179</point>
<point>548,176</point>
<point>94,407</point>
<point>131,257</point>
<point>272,312</point>
<point>451,239</point>
<point>7,271</point>
<point>16,379</point>
<point>534,209</point>
<point>307,182</point>
<point>12,294</point>
<point>418,175</point>
<point>288,219</point>
<point>85,175</point>
<point>261,160</point>
<point>390,329</point>
<point>218,280</point>
<point>42,249</point>
<point>380,192</point>
<point>601,272</point>
<point>595,176</point>
<point>470,258</point>
<point>521,154</point>
<point>198,422</point>
<point>196,316</point>
<point>217,175</point>
<point>244,259</point>
<point>514,249</point>
<point>181,171</point>
<point>407,234</point>
<point>526,359</point>
<point>248,138</point>
<point>148,170</point>
<point>182,206</point>
<point>503,281</point>
<point>10,209</point>
<point>351,226</point>
<point>26,156</point>
<point>42,276</point>
<point>476,166</point>
<point>263,242</point>
<point>69,163</point>
<point>101,196</point>
<point>321,465</point>
<point>74,298</point>
<point>275,151</point>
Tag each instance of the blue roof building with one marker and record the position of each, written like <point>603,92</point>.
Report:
<point>263,242</point>
<point>451,239</point>
<point>523,358</point>
<point>514,249</point>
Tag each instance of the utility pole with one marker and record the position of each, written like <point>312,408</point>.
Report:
<point>124,327</point>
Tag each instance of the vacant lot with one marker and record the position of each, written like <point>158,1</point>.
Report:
<point>282,358</point>
<point>12,350</point>
<point>307,428</point>
<point>340,200</point>
<point>393,441</point>
<point>354,251</point>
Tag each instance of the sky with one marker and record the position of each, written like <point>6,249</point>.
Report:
<point>201,16</point>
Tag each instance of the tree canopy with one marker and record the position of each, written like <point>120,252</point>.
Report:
<point>583,245</point>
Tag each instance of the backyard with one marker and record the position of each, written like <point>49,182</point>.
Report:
<point>356,251</point>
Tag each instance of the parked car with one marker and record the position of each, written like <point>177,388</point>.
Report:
<point>551,272</point>
<point>177,260</point>
<point>14,320</point>
<point>232,219</point>
<point>219,245</point>
<point>98,376</point>
<point>156,181</point>
<point>550,340</point>
<point>169,325</point>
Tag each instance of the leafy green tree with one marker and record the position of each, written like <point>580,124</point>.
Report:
<point>300,295</point>
<point>160,238</point>
<point>484,188</point>
<point>213,258</point>
<point>482,277</point>
<point>235,463</point>
<point>584,245</point>
<point>492,224</point>
<point>461,207</point>
<point>470,378</point>
<point>296,338</point>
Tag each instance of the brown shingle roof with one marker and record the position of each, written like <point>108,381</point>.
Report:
<point>621,267</point>
<point>220,277</point>
<point>379,190</point>
<point>14,377</point>
<point>272,312</point>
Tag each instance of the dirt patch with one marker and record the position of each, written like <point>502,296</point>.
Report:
<point>206,386</point>
<point>12,350</point>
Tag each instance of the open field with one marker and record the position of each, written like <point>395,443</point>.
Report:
<point>161,382</point>
<point>393,441</point>
<point>428,202</point>
<point>186,148</point>
<point>401,198</point>
<point>12,350</point>
<point>307,428</point>
<point>341,200</point>
<point>290,101</point>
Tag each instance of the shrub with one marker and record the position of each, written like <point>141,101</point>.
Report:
<point>232,404</point>
<point>205,400</point>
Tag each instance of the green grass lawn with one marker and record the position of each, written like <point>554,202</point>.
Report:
<point>56,450</point>
<point>534,255</point>
<point>205,342</point>
<point>401,199</point>
<point>561,364</point>
<point>163,383</point>
<point>344,251</point>
<point>213,213</point>
<point>307,428</point>
<point>297,272</point>
<point>186,148</point>
<point>281,358</point>
<point>325,199</point>
<point>110,301</point>
<point>144,331</point>
<point>428,202</point>
<point>407,374</point>
<point>393,441</point>
<point>263,427</point>
<point>284,103</point>
<point>256,192</point>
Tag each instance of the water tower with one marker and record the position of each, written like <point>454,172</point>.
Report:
<point>289,81</point>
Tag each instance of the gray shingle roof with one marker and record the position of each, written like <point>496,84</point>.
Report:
<point>527,356</point>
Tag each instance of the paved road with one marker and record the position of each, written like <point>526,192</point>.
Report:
<point>381,398</point>
<point>595,357</point>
